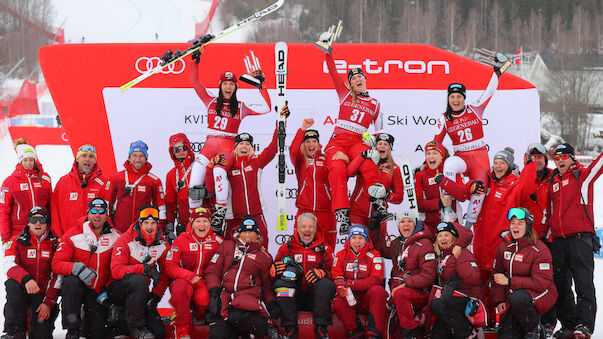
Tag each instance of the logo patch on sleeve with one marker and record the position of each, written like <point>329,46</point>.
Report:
<point>378,267</point>
<point>430,256</point>
<point>473,264</point>
<point>169,255</point>
<point>214,259</point>
<point>543,266</point>
<point>378,260</point>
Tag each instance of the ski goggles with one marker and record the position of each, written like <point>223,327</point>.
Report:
<point>98,211</point>
<point>178,149</point>
<point>37,219</point>
<point>562,157</point>
<point>518,213</point>
<point>149,213</point>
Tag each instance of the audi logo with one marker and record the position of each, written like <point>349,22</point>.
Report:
<point>145,64</point>
<point>282,239</point>
<point>197,146</point>
<point>290,193</point>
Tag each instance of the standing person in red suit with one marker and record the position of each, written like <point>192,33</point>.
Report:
<point>76,189</point>
<point>358,274</point>
<point>357,111</point>
<point>133,188</point>
<point>31,285</point>
<point>224,114</point>
<point>27,187</point>
<point>389,182</point>
<point>313,190</point>
<point>176,186</point>
<point>436,193</point>
<point>463,124</point>
<point>185,264</point>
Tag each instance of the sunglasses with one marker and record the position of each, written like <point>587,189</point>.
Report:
<point>562,157</point>
<point>178,149</point>
<point>98,211</point>
<point>149,212</point>
<point>518,213</point>
<point>41,219</point>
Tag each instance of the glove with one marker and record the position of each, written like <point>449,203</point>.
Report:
<point>181,228</point>
<point>438,178</point>
<point>314,275</point>
<point>324,36</point>
<point>274,309</point>
<point>339,281</point>
<point>169,232</point>
<point>375,222</point>
<point>85,274</point>
<point>477,187</point>
<point>196,56</point>
<point>152,301</point>
<point>215,304</point>
<point>219,160</point>
<point>259,75</point>
<point>77,268</point>
<point>285,111</point>
<point>449,288</point>
<point>371,154</point>
<point>378,191</point>
<point>151,272</point>
<point>277,268</point>
<point>198,192</point>
<point>371,142</point>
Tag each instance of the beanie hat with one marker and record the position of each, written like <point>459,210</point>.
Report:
<point>386,137</point>
<point>97,203</point>
<point>566,148</point>
<point>448,227</point>
<point>407,215</point>
<point>243,137</point>
<point>25,151</point>
<point>41,210</point>
<point>355,71</point>
<point>200,212</point>
<point>85,149</point>
<point>436,146</point>
<point>506,155</point>
<point>457,88</point>
<point>227,76</point>
<point>311,134</point>
<point>249,224</point>
<point>139,146</point>
<point>358,230</point>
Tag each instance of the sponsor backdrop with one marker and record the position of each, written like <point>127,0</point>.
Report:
<point>409,80</point>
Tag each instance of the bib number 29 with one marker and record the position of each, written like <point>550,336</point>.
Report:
<point>220,123</point>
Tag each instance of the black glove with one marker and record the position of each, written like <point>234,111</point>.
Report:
<point>374,223</point>
<point>169,232</point>
<point>449,288</point>
<point>151,272</point>
<point>274,309</point>
<point>152,301</point>
<point>215,304</point>
<point>181,228</point>
<point>196,56</point>
<point>438,178</point>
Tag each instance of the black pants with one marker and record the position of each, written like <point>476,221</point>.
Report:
<point>238,324</point>
<point>131,293</point>
<point>451,321</point>
<point>18,302</point>
<point>317,300</point>
<point>521,316</point>
<point>573,260</point>
<point>75,294</point>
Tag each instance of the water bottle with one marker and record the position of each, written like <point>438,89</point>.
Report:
<point>350,297</point>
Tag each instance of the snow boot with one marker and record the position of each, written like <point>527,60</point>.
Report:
<point>343,220</point>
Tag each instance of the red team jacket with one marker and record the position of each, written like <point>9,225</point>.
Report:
<point>176,183</point>
<point>29,257</point>
<point>70,200</point>
<point>361,277</point>
<point>530,268</point>
<point>189,255</point>
<point>316,255</point>
<point>76,246</point>
<point>570,199</point>
<point>20,192</point>
<point>125,207</point>
<point>465,268</point>
<point>313,190</point>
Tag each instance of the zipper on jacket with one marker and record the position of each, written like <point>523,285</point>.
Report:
<point>31,189</point>
<point>511,265</point>
<point>200,256</point>
<point>314,185</point>
<point>236,282</point>
<point>245,186</point>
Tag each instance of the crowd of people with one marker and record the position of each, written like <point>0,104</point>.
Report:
<point>110,247</point>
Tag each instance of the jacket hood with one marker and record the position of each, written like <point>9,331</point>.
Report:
<point>181,137</point>
<point>367,247</point>
<point>136,231</point>
<point>191,234</point>
<point>318,240</point>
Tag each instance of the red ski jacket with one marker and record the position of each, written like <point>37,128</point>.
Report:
<point>465,268</point>
<point>316,255</point>
<point>530,268</point>
<point>146,191</point>
<point>130,251</point>
<point>77,245</point>
<point>367,273</point>
<point>71,196</point>
<point>570,199</point>
<point>29,257</point>
<point>189,255</point>
<point>242,271</point>
<point>177,181</point>
<point>313,190</point>
<point>20,192</point>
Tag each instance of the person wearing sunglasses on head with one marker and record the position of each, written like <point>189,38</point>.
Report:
<point>83,259</point>
<point>31,286</point>
<point>571,224</point>
<point>523,287</point>
<point>133,188</point>
<point>76,189</point>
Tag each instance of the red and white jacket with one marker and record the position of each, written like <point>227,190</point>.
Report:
<point>367,273</point>
<point>29,257</point>
<point>177,182</point>
<point>70,200</point>
<point>189,255</point>
<point>146,190</point>
<point>76,246</point>
<point>20,192</point>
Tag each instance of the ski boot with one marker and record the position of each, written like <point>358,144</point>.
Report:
<point>291,333</point>
<point>217,219</point>
<point>272,333</point>
<point>380,211</point>
<point>142,333</point>
<point>73,334</point>
<point>582,332</point>
<point>343,220</point>
<point>321,332</point>
<point>18,335</point>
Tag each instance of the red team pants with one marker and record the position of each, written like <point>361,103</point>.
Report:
<point>372,301</point>
<point>352,146</point>
<point>181,294</point>
<point>406,300</point>
<point>326,225</point>
<point>232,227</point>
<point>215,145</point>
<point>478,167</point>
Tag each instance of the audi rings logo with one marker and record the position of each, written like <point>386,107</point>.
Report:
<point>282,239</point>
<point>197,146</point>
<point>145,64</point>
<point>290,193</point>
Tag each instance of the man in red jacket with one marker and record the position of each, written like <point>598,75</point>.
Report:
<point>133,265</point>
<point>31,285</point>
<point>75,190</point>
<point>308,256</point>
<point>83,258</point>
<point>133,188</point>
<point>570,201</point>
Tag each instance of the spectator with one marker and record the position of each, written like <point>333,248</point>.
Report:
<point>26,187</point>
<point>76,189</point>
<point>31,285</point>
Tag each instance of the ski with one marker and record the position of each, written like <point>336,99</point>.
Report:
<point>409,183</point>
<point>280,66</point>
<point>179,55</point>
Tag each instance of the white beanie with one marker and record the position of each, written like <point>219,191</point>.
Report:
<point>25,151</point>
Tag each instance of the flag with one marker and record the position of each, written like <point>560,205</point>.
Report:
<point>517,57</point>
